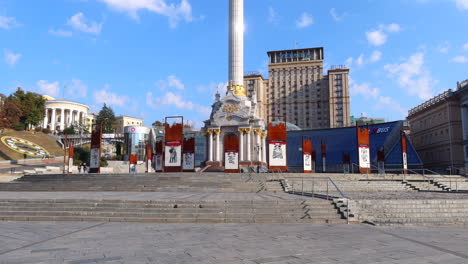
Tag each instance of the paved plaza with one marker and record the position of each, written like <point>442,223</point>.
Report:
<point>82,243</point>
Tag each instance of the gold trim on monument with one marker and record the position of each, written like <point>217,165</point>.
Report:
<point>239,90</point>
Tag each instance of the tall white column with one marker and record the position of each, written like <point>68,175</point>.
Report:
<point>218,147</point>
<point>236,42</point>
<point>248,147</point>
<point>259,144</point>
<point>241,144</point>
<point>62,119</point>
<point>210,146</point>
<point>46,118</point>
<point>264,149</point>
<point>53,119</point>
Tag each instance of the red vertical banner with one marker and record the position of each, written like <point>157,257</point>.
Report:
<point>188,155</point>
<point>404,152</point>
<point>363,142</point>
<point>95,159</point>
<point>71,152</point>
<point>277,135</point>
<point>231,153</point>
<point>173,144</point>
<point>324,156</point>
<point>149,158</point>
<point>307,154</point>
<point>133,161</point>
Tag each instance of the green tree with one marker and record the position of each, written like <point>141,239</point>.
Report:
<point>32,106</point>
<point>69,130</point>
<point>106,117</point>
<point>157,124</point>
<point>10,114</point>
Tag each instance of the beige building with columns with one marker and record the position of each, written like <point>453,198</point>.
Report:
<point>439,130</point>
<point>60,114</point>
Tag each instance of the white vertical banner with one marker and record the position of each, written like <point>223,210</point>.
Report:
<point>277,153</point>
<point>231,159</point>
<point>94,159</point>
<point>173,154</point>
<point>364,156</point>
<point>189,161</point>
<point>70,165</point>
<point>307,162</point>
<point>158,162</point>
<point>133,168</point>
<point>405,161</point>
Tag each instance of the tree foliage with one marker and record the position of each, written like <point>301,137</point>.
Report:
<point>157,124</point>
<point>32,106</point>
<point>106,117</point>
<point>10,114</point>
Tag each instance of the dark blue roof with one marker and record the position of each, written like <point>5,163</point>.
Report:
<point>341,141</point>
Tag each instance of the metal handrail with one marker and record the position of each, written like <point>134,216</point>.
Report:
<point>328,179</point>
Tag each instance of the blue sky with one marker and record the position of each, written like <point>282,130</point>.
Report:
<point>154,58</point>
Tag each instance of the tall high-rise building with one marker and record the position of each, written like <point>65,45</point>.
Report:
<point>298,89</point>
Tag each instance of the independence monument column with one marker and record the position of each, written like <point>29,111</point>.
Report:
<point>236,47</point>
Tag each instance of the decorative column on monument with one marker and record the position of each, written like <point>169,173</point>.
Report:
<point>217,152</point>
<point>236,47</point>
<point>241,144</point>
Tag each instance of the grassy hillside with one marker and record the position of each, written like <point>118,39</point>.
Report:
<point>38,138</point>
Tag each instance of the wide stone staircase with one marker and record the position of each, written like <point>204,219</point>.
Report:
<point>161,211</point>
<point>139,183</point>
<point>410,211</point>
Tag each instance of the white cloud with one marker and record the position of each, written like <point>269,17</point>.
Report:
<point>60,33</point>
<point>175,13</point>
<point>305,20</point>
<point>272,16</point>
<point>393,28</point>
<point>465,47</point>
<point>46,88</point>
<point>412,76</point>
<point>171,82</point>
<point>172,99</point>
<point>460,59</point>
<point>371,93</point>
<point>462,4</point>
<point>379,37</point>
<point>80,23</point>
<point>376,56</point>
<point>444,47</point>
<point>335,15</point>
<point>11,58</point>
<point>7,22</point>
<point>376,37</point>
<point>360,60</point>
<point>104,96</point>
<point>77,88</point>
<point>349,62</point>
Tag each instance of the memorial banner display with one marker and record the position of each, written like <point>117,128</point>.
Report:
<point>232,160</point>
<point>277,138</point>
<point>324,156</point>
<point>173,154</point>
<point>277,153</point>
<point>363,142</point>
<point>158,162</point>
<point>231,153</point>
<point>71,152</point>
<point>174,139</point>
<point>307,154</point>
<point>404,152</point>
<point>189,162</point>
<point>94,162</point>
<point>133,163</point>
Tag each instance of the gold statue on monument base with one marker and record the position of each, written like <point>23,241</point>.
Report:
<point>238,90</point>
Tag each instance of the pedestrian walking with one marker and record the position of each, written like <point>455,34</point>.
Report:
<point>79,167</point>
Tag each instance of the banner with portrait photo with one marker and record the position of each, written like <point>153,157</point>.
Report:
<point>364,156</point>
<point>307,162</point>
<point>277,153</point>
<point>189,161</point>
<point>158,162</point>
<point>173,154</point>
<point>231,160</point>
